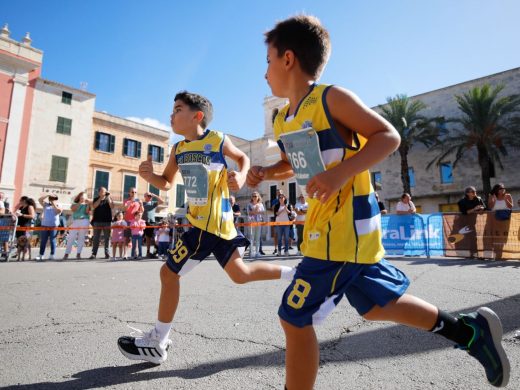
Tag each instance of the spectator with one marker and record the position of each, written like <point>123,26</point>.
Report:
<point>405,205</point>
<point>131,205</point>
<point>382,208</point>
<point>236,209</point>
<point>255,210</point>
<point>137,227</point>
<point>301,211</point>
<point>282,211</point>
<point>25,210</point>
<point>3,209</point>
<point>500,201</point>
<point>118,235</point>
<point>102,207</point>
<point>51,220</point>
<point>471,203</point>
<point>80,224</point>
<point>274,203</point>
<point>151,201</point>
<point>163,239</point>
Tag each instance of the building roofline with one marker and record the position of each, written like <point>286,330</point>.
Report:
<point>60,85</point>
<point>513,70</point>
<point>104,116</point>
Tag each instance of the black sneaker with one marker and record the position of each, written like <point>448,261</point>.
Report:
<point>486,345</point>
<point>261,252</point>
<point>146,346</point>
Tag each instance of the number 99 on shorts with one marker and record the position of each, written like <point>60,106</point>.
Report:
<point>299,293</point>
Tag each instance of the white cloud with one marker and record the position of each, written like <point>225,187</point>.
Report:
<point>159,125</point>
<point>150,122</point>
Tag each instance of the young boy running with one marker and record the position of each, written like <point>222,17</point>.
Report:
<point>328,140</point>
<point>201,160</point>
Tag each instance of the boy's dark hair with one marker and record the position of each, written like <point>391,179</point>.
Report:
<point>306,37</point>
<point>197,103</point>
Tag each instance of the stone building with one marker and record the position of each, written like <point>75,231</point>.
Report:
<point>440,187</point>
<point>116,148</point>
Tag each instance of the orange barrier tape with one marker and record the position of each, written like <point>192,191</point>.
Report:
<point>63,228</point>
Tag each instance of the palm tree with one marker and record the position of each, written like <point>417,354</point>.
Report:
<point>403,114</point>
<point>489,123</point>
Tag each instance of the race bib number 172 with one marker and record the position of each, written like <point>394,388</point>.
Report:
<point>195,177</point>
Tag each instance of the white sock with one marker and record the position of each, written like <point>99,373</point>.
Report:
<point>163,330</point>
<point>287,272</point>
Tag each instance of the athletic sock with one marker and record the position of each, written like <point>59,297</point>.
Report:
<point>287,272</point>
<point>163,330</point>
<point>452,328</point>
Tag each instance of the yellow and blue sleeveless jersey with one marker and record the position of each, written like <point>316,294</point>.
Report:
<point>204,172</point>
<point>348,226</point>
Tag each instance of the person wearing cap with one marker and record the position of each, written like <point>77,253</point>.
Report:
<point>50,220</point>
<point>151,201</point>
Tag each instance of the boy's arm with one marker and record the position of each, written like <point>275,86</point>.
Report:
<point>280,170</point>
<point>349,111</point>
<point>163,181</point>
<point>236,180</point>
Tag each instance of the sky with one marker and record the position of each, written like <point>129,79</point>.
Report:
<point>135,55</point>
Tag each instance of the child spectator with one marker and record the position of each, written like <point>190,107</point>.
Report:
<point>118,235</point>
<point>137,227</point>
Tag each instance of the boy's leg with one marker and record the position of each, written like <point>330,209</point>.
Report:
<point>170,291</point>
<point>302,355</point>
<point>241,273</point>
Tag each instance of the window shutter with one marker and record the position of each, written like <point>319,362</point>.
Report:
<point>96,141</point>
<point>161,155</point>
<point>112,143</point>
<point>149,150</point>
<point>125,147</point>
<point>138,150</point>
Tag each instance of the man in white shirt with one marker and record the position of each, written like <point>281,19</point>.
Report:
<point>405,206</point>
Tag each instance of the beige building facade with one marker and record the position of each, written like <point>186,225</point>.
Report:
<point>116,148</point>
<point>57,156</point>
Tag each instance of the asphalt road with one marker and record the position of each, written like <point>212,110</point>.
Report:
<point>60,322</point>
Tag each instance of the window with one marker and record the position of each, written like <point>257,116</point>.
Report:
<point>449,208</point>
<point>104,142</point>
<point>156,152</point>
<point>292,193</point>
<point>131,148</point>
<point>446,173</point>
<point>411,174</point>
<point>180,196</point>
<point>64,125</point>
<point>59,169</point>
<point>129,181</point>
<point>377,180</point>
<point>101,180</point>
<point>154,190</point>
<point>66,98</point>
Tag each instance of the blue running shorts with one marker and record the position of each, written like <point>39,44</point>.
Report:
<point>319,285</point>
<point>196,244</point>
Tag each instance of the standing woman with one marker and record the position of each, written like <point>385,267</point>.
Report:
<point>282,211</point>
<point>499,198</point>
<point>25,210</point>
<point>50,219</point>
<point>80,223</point>
<point>255,210</point>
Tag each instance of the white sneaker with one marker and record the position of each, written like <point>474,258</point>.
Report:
<point>51,257</point>
<point>146,346</point>
<point>286,253</point>
<point>39,258</point>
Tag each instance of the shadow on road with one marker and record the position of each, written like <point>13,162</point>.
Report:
<point>375,344</point>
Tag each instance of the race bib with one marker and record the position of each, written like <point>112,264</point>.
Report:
<point>195,177</point>
<point>302,148</point>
